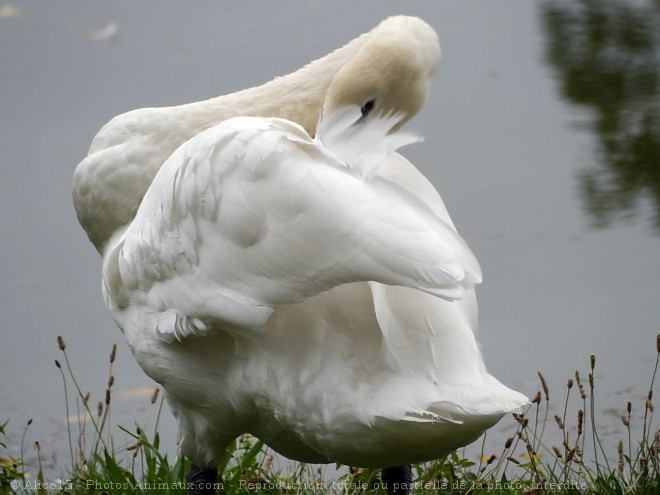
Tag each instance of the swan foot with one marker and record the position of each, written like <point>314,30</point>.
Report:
<point>202,481</point>
<point>398,480</point>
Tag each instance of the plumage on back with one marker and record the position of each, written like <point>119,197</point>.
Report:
<point>254,213</point>
<point>254,235</point>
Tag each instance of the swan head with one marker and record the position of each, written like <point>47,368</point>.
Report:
<point>391,73</point>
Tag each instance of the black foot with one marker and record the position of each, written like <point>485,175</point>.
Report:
<point>398,480</point>
<point>201,481</point>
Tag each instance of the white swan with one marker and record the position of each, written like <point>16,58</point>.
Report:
<point>311,291</point>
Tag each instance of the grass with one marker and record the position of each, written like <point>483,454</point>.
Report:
<point>527,464</point>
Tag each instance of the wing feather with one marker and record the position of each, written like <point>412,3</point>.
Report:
<point>254,213</point>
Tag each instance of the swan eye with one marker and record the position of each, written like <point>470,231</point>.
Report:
<point>368,107</point>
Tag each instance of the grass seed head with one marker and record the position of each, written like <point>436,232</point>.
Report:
<point>592,361</point>
<point>557,452</point>
<point>154,395</point>
<point>60,343</point>
<point>544,386</point>
<point>559,422</point>
<point>113,353</point>
<point>569,383</point>
<point>580,421</point>
<point>570,455</point>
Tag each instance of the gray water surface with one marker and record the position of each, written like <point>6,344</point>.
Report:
<point>525,153</point>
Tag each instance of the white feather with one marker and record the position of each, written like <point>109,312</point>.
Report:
<point>362,144</point>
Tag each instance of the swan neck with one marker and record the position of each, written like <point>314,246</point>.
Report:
<point>298,96</point>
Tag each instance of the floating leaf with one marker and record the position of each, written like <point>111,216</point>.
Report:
<point>11,11</point>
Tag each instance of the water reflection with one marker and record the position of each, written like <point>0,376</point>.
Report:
<point>607,58</point>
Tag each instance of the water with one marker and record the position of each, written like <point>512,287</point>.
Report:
<point>544,147</point>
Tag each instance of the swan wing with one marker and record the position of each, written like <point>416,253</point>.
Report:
<point>253,213</point>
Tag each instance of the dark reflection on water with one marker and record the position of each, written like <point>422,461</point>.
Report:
<point>606,55</point>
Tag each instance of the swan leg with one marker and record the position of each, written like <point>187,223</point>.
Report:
<point>201,481</point>
<point>398,480</point>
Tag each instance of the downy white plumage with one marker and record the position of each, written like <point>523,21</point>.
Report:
<point>311,291</point>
